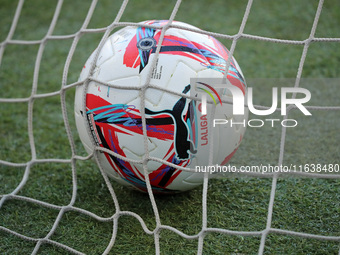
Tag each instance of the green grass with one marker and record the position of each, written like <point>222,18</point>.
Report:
<point>240,204</point>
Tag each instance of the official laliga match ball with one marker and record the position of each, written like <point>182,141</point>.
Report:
<point>127,84</point>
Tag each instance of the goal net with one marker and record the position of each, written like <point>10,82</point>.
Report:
<point>281,191</point>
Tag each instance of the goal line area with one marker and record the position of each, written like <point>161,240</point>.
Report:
<point>279,193</point>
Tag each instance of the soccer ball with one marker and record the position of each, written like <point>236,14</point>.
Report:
<point>177,132</point>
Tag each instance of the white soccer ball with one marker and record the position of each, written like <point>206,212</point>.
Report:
<point>177,132</point>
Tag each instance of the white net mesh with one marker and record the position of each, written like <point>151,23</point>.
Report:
<point>13,192</point>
